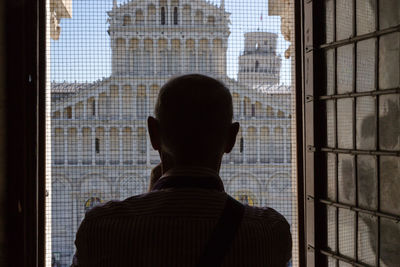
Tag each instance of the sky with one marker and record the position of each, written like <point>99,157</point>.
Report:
<point>83,52</point>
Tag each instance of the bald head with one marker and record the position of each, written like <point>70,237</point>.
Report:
<point>194,113</point>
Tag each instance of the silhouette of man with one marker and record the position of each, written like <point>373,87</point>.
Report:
<point>172,224</point>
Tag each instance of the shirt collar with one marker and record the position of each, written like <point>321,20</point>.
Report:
<point>190,177</point>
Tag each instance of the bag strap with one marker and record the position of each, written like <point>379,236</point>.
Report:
<point>223,234</point>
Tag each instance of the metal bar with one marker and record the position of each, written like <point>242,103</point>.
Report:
<point>360,37</point>
<point>309,129</point>
<point>361,210</point>
<point>354,107</point>
<point>343,258</point>
<point>360,152</point>
<point>359,94</point>
<point>377,158</point>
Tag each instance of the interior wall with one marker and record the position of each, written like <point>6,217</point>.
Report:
<point>2,135</point>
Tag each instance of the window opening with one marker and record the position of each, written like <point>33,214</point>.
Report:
<point>97,145</point>
<point>108,91</point>
<point>163,18</point>
<point>175,16</point>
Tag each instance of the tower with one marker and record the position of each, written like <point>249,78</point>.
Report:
<point>259,64</point>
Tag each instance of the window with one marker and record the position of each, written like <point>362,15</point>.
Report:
<point>127,20</point>
<point>354,167</point>
<point>100,147</point>
<point>163,16</point>
<point>97,145</point>
<point>175,16</point>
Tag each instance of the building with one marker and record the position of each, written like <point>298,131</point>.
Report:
<point>100,148</point>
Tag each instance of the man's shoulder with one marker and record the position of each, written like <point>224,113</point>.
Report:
<point>115,207</point>
<point>264,216</point>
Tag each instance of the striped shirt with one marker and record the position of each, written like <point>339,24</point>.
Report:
<point>170,227</point>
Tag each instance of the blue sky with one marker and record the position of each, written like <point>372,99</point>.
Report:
<point>83,51</point>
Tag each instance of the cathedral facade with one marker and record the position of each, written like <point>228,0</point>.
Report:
<point>100,147</point>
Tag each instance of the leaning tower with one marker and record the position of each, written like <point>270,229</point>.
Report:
<point>259,64</point>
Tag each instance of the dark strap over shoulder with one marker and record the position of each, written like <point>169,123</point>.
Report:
<point>223,234</point>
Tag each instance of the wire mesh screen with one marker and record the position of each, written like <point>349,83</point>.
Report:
<point>362,105</point>
<point>109,59</point>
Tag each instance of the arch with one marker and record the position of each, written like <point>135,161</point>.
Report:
<point>127,101</point>
<point>217,63</point>
<point>131,185</point>
<point>134,56</point>
<point>126,20</point>
<point>163,15</point>
<point>95,184</point>
<point>264,144</point>
<point>176,56</point>
<point>79,110</point>
<point>246,107</point>
<point>251,148</point>
<point>114,146</point>
<point>187,15</point>
<point>258,109</point>
<point>56,115</point>
<point>176,16</point>
<point>211,20</point>
<point>119,57</point>
<point>278,183</point>
<point>102,106</point>
<point>87,146</point>
<point>91,107</point>
<point>72,145</point>
<point>236,105</point>
<point>100,148</point>
<point>163,56</point>
<point>127,146</point>
<point>238,149</point>
<point>151,14</point>
<point>148,56</point>
<point>114,101</point>
<point>198,18</point>
<point>191,55</point>
<point>245,182</point>
<point>141,145</point>
<point>68,113</point>
<point>270,112</point>
<point>141,105</point>
<point>139,17</point>
<point>203,55</point>
<point>278,145</point>
<point>154,89</point>
<point>58,146</point>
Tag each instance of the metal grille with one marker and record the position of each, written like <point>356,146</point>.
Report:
<point>353,159</point>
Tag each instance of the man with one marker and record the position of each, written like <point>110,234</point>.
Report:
<point>183,219</point>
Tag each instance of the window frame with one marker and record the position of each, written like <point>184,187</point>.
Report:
<point>26,203</point>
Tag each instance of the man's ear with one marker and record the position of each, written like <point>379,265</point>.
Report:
<point>233,131</point>
<point>153,126</point>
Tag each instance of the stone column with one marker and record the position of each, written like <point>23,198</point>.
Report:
<point>80,146</point>
<point>120,146</point>
<point>244,135</point>
<point>66,156</point>
<point>97,106</point>
<point>285,141</point>
<point>107,143</point>
<point>120,91</point>
<point>258,144</point>
<point>85,109</point>
<point>93,145</point>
